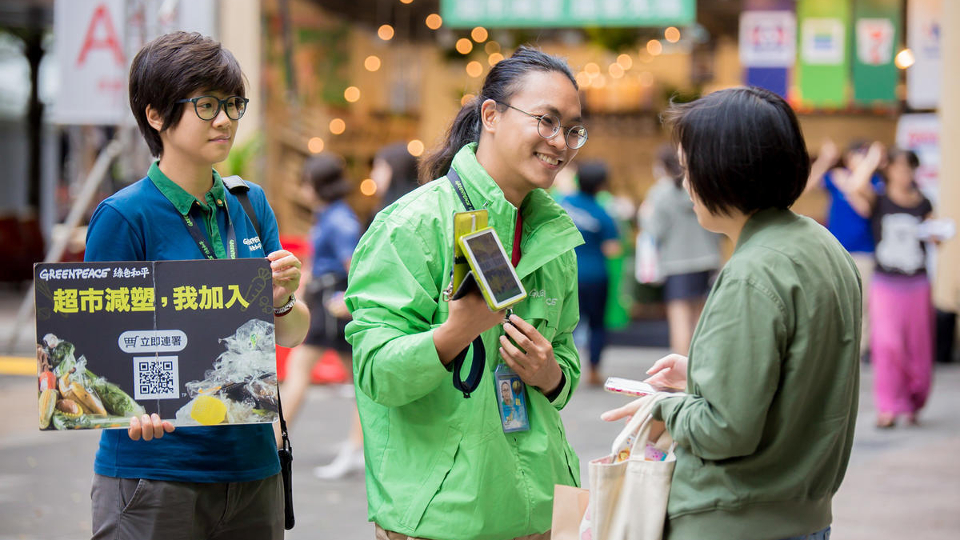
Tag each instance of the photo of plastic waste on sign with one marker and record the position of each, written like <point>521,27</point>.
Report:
<point>242,386</point>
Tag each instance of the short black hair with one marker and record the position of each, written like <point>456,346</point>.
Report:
<point>743,149</point>
<point>592,176</point>
<point>325,173</point>
<point>858,145</point>
<point>912,159</point>
<point>173,66</point>
<point>667,156</point>
<point>403,164</point>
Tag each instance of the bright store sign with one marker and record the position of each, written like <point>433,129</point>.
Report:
<point>566,13</point>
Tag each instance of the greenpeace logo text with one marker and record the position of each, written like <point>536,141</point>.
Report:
<point>542,293</point>
<point>253,243</point>
<point>74,273</point>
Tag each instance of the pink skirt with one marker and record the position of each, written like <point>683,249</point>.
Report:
<point>901,342</point>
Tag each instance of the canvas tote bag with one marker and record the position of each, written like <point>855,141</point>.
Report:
<point>628,500</point>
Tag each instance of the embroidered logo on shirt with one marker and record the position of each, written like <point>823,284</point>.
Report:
<point>253,243</point>
<point>542,293</point>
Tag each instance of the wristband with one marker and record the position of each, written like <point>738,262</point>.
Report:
<point>286,308</point>
<point>552,396</point>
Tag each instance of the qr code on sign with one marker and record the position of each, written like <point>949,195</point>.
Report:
<point>156,378</point>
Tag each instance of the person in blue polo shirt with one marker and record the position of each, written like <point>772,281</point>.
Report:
<point>601,240</point>
<point>153,482</point>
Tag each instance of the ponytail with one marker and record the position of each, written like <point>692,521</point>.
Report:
<point>501,83</point>
<point>465,129</point>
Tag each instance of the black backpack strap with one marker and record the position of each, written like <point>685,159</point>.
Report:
<point>239,189</point>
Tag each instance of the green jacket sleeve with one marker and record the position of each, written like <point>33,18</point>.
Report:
<point>564,349</point>
<point>393,297</point>
<point>733,373</point>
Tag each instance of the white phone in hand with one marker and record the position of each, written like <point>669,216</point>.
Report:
<point>631,387</point>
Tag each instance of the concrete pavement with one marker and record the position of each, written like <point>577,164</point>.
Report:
<point>902,483</point>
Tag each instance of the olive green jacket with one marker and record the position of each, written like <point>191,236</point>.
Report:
<point>765,435</point>
<point>440,466</point>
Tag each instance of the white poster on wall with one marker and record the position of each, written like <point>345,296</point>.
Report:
<point>923,38</point>
<point>768,38</point>
<point>921,133</point>
<point>97,39</point>
<point>822,41</point>
<point>93,62</point>
<point>875,41</point>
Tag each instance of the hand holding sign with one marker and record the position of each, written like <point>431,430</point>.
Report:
<point>286,275</point>
<point>148,427</point>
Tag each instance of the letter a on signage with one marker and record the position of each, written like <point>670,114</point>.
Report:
<point>101,17</point>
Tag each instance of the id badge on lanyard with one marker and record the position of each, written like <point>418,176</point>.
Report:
<point>512,398</point>
<point>511,392</point>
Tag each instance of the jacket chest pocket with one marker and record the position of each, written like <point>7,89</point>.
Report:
<point>541,312</point>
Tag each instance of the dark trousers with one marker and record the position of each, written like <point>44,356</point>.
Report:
<point>593,307</point>
<point>138,509</point>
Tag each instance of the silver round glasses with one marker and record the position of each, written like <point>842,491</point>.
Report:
<point>208,107</point>
<point>548,126</point>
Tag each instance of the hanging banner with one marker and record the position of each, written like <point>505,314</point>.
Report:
<point>768,38</point>
<point>824,66</point>
<point>921,133</point>
<point>923,38</point>
<point>876,33</point>
<point>567,13</point>
<point>768,47</point>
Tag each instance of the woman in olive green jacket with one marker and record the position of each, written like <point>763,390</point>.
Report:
<point>765,432</point>
<point>440,466</point>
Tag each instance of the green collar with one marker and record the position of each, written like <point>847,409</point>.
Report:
<point>481,187</point>
<point>484,192</point>
<point>182,200</point>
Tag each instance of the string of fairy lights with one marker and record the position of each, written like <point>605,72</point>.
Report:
<point>591,76</point>
<point>373,63</point>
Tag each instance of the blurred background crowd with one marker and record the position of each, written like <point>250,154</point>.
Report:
<point>346,96</point>
<point>349,79</point>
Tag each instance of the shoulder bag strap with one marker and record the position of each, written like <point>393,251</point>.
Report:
<point>239,189</point>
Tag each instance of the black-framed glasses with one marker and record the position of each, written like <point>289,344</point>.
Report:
<point>208,107</point>
<point>548,126</point>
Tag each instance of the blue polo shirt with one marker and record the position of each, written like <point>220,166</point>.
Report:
<point>596,226</point>
<point>143,222</point>
<point>334,237</point>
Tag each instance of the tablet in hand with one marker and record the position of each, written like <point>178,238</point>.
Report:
<point>495,275</point>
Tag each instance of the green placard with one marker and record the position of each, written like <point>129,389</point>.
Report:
<point>566,13</point>
<point>823,43</point>
<point>876,31</point>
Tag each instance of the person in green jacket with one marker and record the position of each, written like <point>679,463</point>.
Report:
<point>765,432</point>
<point>438,465</point>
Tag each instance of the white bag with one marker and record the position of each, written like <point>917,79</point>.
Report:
<point>628,500</point>
<point>647,269</point>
